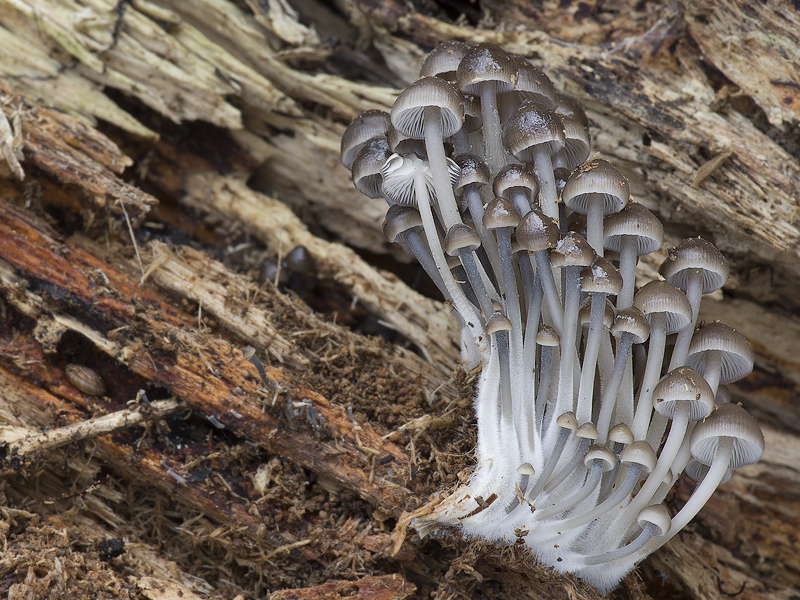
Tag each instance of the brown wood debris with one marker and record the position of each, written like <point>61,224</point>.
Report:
<point>384,587</point>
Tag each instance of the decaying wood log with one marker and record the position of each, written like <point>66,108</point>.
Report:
<point>154,153</point>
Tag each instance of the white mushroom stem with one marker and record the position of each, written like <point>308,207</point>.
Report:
<point>492,132</point>
<point>713,369</point>
<point>612,387</point>
<point>543,169</point>
<point>648,532</point>
<point>627,268</point>
<point>694,291</point>
<point>594,223</point>
<point>545,271</point>
<point>701,494</point>
<point>454,291</point>
<point>550,465</point>
<point>570,467</point>
<point>566,380</point>
<point>508,286</point>
<point>590,485</point>
<point>424,257</point>
<point>434,146</point>
<point>652,373</point>
<point>476,281</point>
<point>586,390</point>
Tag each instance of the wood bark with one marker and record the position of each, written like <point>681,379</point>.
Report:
<point>153,153</point>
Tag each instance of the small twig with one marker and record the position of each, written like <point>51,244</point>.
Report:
<point>89,429</point>
<point>133,238</point>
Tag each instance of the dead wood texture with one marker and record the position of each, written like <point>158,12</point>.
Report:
<point>153,154</point>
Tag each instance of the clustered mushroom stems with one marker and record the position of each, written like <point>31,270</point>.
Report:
<point>586,416</point>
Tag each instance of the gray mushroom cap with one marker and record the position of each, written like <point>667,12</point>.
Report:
<point>367,125</point>
<point>633,221</point>
<point>408,111</point>
<point>536,231</point>
<point>735,351</point>
<point>443,60</point>
<point>596,179</point>
<point>483,63</point>
<point>460,237</point>
<point>683,385</point>
<point>663,297</point>
<point>696,254</point>
<point>733,421</point>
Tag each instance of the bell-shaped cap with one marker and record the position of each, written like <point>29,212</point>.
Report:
<point>601,277</point>
<point>400,220</point>
<point>514,177</point>
<point>633,221</point>
<point>631,321</point>
<point>567,420</point>
<point>409,110</point>
<point>547,336</point>
<point>577,144</point>
<point>733,421</point>
<point>533,126</point>
<point>683,385</point>
<point>474,171</point>
<point>598,452</point>
<point>656,515</point>
<point>587,431</point>
<point>736,355</point>
<point>572,250</point>
<point>596,179</point>
<point>443,60</point>
<point>460,237</point>
<point>533,83</point>
<point>585,311</point>
<point>486,62</point>
<point>536,231</point>
<point>621,434</point>
<point>367,167</point>
<point>500,213</point>
<point>498,322</point>
<point>641,453</point>
<point>367,125</point>
<point>696,253</point>
<point>662,297</point>
<point>300,260</point>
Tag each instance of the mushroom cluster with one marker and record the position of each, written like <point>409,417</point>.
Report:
<point>587,413</point>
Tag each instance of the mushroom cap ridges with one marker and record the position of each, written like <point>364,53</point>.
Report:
<point>460,237</point>
<point>736,353</point>
<point>498,322</point>
<point>621,434</point>
<point>537,231</point>
<point>663,297</point>
<point>533,83</point>
<point>601,453</point>
<point>596,179</point>
<point>486,63</point>
<point>409,110</point>
<point>514,176</point>
<point>367,125</point>
<point>572,250</point>
<point>683,385</point>
<point>633,221</point>
<point>696,254</point>
<point>601,276</point>
<point>576,129</point>
<point>631,320</point>
<point>733,421</point>
<point>530,126</point>
<point>500,213</point>
<point>400,219</point>
<point>443,60</point>
<point>398,174</point>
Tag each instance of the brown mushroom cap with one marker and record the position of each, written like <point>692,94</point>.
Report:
<point>367,166</point>
<point>500,213</point>
<point>683,385</point>
<point>633,221</point>
<point>596,179</point>
<point>662,297</point>
<point>631,320</point>
<point>400,219</point>
<point>443,60</point>
<point>460,237</point>
<point>696,254</point>
<point>530,126</point>
<point>409,110</point>
<point>572,250</point>
<point>483,63</point>
<point>367,125</point>
<point>474,171</point>
<point>601,276</point>
<point>536,231</point>
<point>513,177</point>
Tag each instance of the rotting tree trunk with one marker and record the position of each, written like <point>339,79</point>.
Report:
<point>210,131</point>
